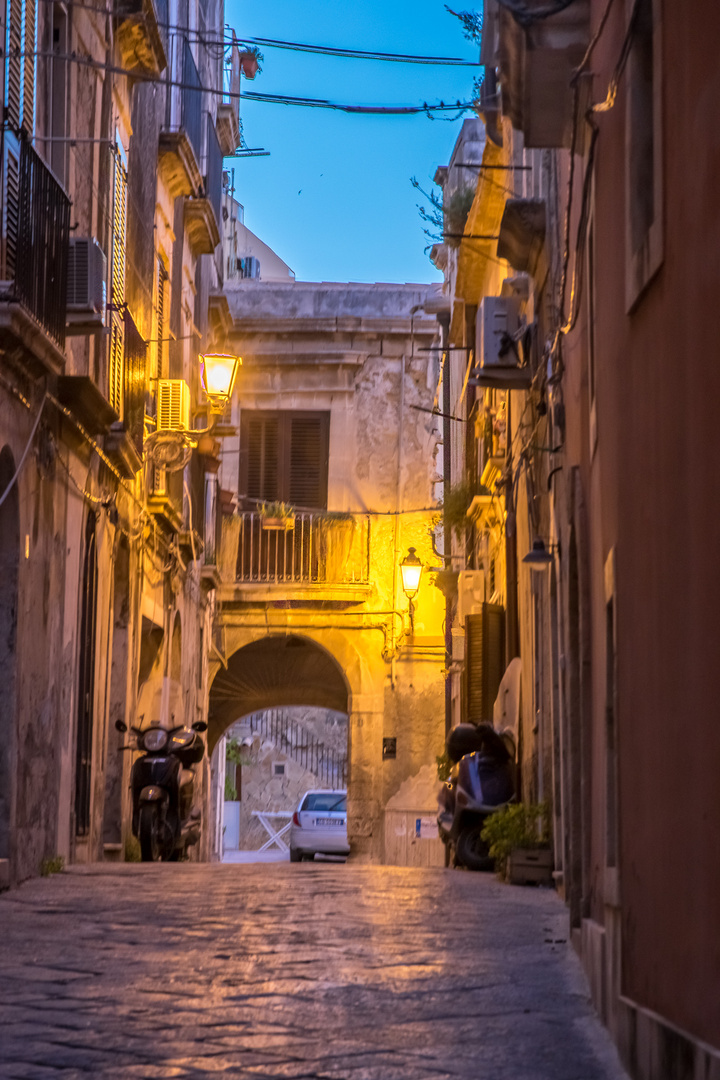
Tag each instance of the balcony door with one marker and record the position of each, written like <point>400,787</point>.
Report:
<point>284,458</point>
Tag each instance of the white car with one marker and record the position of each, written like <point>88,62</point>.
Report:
<point>319,825</point>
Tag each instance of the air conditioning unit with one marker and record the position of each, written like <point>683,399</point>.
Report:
<point>86,276</point>
<point>173,405</point>
<point>249,267</point>
<point>497,323</point>
<point>471,594</point>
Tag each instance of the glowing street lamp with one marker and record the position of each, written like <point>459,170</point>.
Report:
<point>217,372</point>
<point>411,570</point>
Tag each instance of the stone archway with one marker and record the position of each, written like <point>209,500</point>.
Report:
<point>9,571</point>
<point>271,672</point>
<point>322,668</point>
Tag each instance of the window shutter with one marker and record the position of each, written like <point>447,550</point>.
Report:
<point>14,68</point>
<point>308,467</point>
<point>12,213</point>
<point>117,286</point>
<point>162,276</point>
<point>28,89</point>
<point>262,449</point>
<point>484,661</point>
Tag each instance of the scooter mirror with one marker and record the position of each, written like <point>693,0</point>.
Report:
<point>199,725</point>
<point>120,725</point>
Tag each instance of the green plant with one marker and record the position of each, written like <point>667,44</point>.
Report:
<point>446,215</point>
<point>235,753</point>
<point>456,501</point>
<point>230,790</point>
<point>444,767</point>
<point>276,510</point>
<point>132,849</point>
<point>519,826</point>
<point>52,865</point>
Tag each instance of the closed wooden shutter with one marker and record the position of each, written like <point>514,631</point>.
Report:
<point>308,466</point>
<point>12,213</point>
<point>261,445</point>
<point>284,457</point>
<point>20,64</point>
<point>117,285</point>
<point>484,661</point>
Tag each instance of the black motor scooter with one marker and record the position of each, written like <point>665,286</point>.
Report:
<point>163,783</point>
<point>482,781</point>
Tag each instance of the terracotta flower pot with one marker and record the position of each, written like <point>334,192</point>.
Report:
<point>249,65</point>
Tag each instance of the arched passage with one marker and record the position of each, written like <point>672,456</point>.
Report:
<point>9,562</point>
<point>281,670</point>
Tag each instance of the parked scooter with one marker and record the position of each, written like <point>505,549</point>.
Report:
<point>163,782</point>
<point>482,780</point>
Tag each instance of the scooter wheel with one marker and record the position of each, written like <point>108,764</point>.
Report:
<point>472,851</point>
<point>150,833</point>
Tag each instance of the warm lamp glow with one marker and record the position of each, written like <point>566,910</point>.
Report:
<point>218,371</point>
<point>411,569</point>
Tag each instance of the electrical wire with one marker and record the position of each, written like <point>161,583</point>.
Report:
<point>275,99</point>
<point>13,479</point>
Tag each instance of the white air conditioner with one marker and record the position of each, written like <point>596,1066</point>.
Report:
<point>497,323</point>
<point>471,594</point>
<point>173,405</point>
<point>86,276</point>
<point>249,267</point>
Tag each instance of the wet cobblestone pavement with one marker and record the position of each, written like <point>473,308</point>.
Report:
<point>292,971</point>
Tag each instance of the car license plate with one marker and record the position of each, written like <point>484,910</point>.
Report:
<point>328,821</point>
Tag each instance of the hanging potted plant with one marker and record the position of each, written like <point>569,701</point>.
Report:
<point>277,515</point>
<point>250,62</point>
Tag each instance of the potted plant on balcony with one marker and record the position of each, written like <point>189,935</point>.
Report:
<point>277,515</point>
<point>250,62</point>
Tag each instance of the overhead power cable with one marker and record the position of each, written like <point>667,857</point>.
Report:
<point>364,54</point>
<point>278,99</point>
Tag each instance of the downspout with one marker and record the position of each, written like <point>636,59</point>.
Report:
<point>396,528</point>
<point>444,320</point>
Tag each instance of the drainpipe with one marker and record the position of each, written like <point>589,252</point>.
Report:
<point>512,643</point>
<point>444,320</point>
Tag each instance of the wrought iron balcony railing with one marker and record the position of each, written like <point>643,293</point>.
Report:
<point>36,238</point>
<point>184,101</point>
<point>310,549</point>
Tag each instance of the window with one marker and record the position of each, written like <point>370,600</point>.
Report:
<point>644,229</point>
<point>334,800</point>
<point>284,458</point>
<point>278,768</point>
<point>117,282</point>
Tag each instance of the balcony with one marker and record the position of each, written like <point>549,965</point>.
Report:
<point>536,67</point>
<point>34,257</point>
<point>180,147</point>
<point>203,213</point>
<point>228,110</point>
<point>142,35</point>
<point>320,553</point>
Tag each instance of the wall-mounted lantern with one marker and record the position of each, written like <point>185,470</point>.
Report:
<point>217,372</point>
<point>411,570</point>
<point>539,558</point>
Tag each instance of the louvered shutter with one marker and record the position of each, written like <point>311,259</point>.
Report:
<point>117,286</point>
<point>162,276</point>
<point>14,64</point>
<point>262,450</point>
<point>484,661</point>
<point>12,213</point>
<point>308,465</point>
<point>21,63</point>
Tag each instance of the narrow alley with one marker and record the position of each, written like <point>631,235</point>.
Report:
<point>318,970</point>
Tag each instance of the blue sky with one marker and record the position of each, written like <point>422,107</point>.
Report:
<point>334,199</point>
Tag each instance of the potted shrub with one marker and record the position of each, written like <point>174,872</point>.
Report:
<point>250,62</point>
<point>518,839</point>
<point>277,515</point>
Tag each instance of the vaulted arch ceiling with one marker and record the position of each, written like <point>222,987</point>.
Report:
<point>275,671</point>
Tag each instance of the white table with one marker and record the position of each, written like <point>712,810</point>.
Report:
<point>266,819</point>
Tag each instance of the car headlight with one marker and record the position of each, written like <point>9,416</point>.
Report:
<point>154,739</point>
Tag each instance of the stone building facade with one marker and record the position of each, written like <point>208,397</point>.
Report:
<point>334,417</point>
<point>113,138</point>
<point>589,466</point>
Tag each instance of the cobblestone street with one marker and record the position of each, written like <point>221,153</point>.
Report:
<point>318,970</point>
